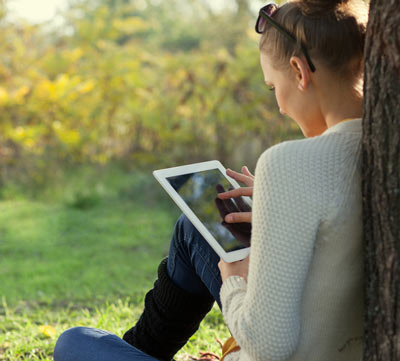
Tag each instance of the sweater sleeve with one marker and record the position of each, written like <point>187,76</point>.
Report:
<point>264,314</point>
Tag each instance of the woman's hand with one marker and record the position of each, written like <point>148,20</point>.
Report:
<point>246,178</point>
<point>239,268</point>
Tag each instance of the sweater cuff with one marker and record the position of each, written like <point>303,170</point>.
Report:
<point>230,285</point>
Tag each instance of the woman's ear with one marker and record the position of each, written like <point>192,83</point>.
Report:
<point>301,72</point>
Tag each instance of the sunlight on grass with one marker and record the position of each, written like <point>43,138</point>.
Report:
<point>29,331</point>
<point>64,265</point>
<point>51,252</point>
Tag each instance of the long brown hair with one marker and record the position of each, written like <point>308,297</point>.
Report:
<point>333,31</point>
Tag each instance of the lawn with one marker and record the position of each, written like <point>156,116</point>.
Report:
<point>85,259</point>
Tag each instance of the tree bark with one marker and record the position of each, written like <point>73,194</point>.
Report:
<point>381,181</point>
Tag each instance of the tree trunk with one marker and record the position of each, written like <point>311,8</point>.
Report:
<point>381,181</point>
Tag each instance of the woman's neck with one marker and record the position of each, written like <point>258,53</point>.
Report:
<point>339,101</point>
<point>343,110</point>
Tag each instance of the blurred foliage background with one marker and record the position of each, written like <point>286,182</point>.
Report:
<point>88,108</point>
<point>135,84</point>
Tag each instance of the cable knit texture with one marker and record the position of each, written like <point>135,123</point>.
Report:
<point>304,296</point>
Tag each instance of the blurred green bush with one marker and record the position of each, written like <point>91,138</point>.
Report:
<point>142,84</point>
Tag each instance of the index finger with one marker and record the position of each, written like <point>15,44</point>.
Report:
<point>235,193</point>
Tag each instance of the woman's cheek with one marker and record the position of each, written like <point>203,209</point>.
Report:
<point>280,99</point>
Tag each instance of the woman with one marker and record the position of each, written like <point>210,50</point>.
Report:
<point>300,296</point>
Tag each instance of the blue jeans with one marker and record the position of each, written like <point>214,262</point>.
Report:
<point>192,265</point>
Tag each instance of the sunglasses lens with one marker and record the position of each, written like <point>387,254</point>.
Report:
<point>261,23</point>
<point>270,9</point>
<point>267,10</point>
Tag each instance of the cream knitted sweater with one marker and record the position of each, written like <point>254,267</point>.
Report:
<point>304,295</point>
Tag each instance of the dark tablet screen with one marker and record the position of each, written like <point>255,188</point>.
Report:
<point>199,191</point>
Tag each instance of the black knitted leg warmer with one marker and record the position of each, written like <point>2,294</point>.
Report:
<point>171,315</point>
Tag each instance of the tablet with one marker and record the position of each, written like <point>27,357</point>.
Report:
<point>194,189</point>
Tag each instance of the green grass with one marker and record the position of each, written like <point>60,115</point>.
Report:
<point>85,258</point>
<point>52,252</point>
<point>21,338</point>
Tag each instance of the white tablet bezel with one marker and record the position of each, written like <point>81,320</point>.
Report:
<point>161,176</point>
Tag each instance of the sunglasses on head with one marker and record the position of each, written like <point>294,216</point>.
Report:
<point>265,18</point>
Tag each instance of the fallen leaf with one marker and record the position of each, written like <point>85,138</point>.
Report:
<point>47,330</point>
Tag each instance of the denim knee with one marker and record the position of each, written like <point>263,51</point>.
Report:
<point>92,344</point>
<point>182,225</point>
<point>67,342</point>
<point>185,232</point>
